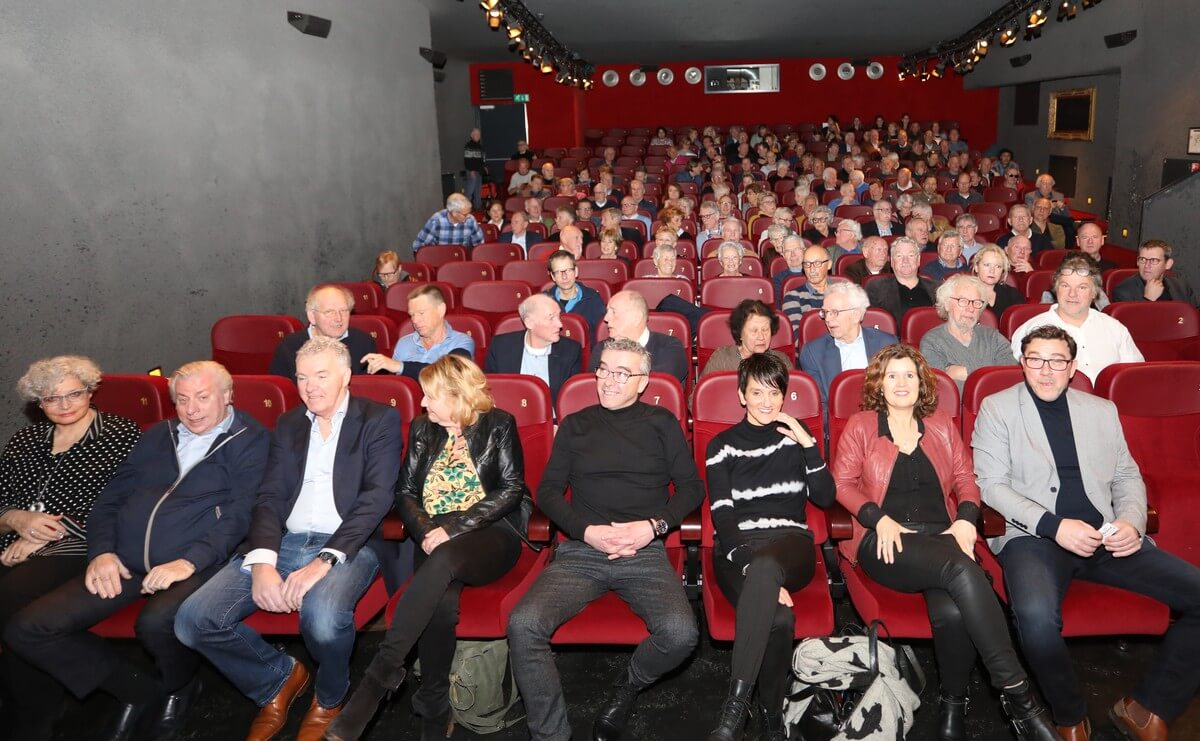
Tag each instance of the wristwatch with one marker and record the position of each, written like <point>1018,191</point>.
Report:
<point>660,527</point>
<point>328,558</point>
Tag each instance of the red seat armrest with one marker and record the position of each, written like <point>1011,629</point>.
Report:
<point>841,524</point>
<point>689,529</point>
<point>1151,520</point>
<point>993,524</point>
<point>539,527</point>
<point>393,527</point>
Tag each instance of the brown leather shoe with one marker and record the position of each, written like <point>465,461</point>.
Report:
<point>271,719</point>
<point>312,728</point>
<point>1081,731</point>
<point>1137,722</point>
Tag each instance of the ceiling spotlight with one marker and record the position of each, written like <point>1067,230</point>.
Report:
<point>588,84</point>
<point>546,67</point>
<point>514,32</point>
<point>495,17</point>
<point>1008,36</point>
<point>489,4</point>
<point>1037,17</point>
<point>1067,10</point>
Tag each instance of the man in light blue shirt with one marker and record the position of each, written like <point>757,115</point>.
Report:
<point>433,338</point>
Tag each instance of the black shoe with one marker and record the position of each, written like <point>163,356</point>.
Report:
<point>610,723</point>
<point>377,685</point>
<point>126,723</point>
<point>952,717</point>
<point>770,725</point>
<point>174,712</point>
<point>1029,718</point>
<point>733,714</point>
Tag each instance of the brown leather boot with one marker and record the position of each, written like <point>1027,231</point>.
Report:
<point>1081,731</point>
<point>1136,722</point>
<point>273,716</point>
<point>312,728</point>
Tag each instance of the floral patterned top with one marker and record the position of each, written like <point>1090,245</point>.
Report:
<point>452,484</point>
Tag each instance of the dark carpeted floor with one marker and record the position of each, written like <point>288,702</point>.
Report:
<point>683,706</point>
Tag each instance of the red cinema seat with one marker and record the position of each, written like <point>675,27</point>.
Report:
<point>948,211</point>
<point>399,392</point>
<point>246,343</point>
<point>574,328</point>
<point>368,296</point>
<point>627,250</point>
<point>1122,256</point>
<point>1017,314</point>
<point>662,390</point>
<point>476,327</point>
<point>532,272</point>
<point>494,299</point>
<point>438,255</point>
<point>645,268</point>
<point>1117,276</point>
<point>716,408</point>
<point>727,293</point>
<point>396,299</point>
<point>853,211</point>
<point>265,398</point>
<point>498,254</point>
<point>997,211</point>
<point>460,274</point>
<point>751,267</point>
<point>665,322</point>
<point>142,398</point>
<point>1051,259</point>
<point>920,320</point>
<point>1037,283</point>
<point>685,250</point>
<point>1162,330</point>
<point>1000,194</point>
<point>418,272</point>
<point>714,333</point>
<point>381,328</point>
<point>612,272</point>
<point>1123,613</point>
<point>845,261</point>
<point>813,326</point>
<point>655,290</point>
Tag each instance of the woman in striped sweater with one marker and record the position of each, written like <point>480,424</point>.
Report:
<point>761,473</point>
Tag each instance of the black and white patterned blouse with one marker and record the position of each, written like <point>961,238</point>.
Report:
<point>32,477</point>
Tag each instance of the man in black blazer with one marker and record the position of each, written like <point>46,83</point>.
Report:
<point>328,307</point>
<point>540,350</point>
<point>627,318</point>
<point>330,480</point>
<point>884,224</point>
<point>520,233</point>
<point>906,289</point>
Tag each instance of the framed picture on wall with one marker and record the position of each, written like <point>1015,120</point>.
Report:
<point>1072,114</point>
<point>1194,140</point>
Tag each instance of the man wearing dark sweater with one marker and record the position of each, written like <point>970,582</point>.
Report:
<point>328,308</point>
<point>619,458</point>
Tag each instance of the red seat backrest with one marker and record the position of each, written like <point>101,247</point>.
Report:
<point>246,343</point>
<point>142,398</point>
<point>727,293</point>
<point>418,272</point>
<point>813,326</point>
<point>533,272</point>
<point>1051,259</point>
<point>399,392</point>
<point>713,333</point>
<point>920,320</point>
<point>612,272</point>
<point>845,261</point>
<point>645,269</point>
<point>1117,276</point>
<point>662,390</point>
<point>574,328</point>
<point>368,296</point>
<point>396,298</point>
<point>494,299</point>
<point>1037,283</point>
<point>716,407</point>
<point>459,274</point>
<point>845,395</point>
<point>542,251</point>
<point>655,290</point>
<point>751,267</point>
<point>498,253</point>
<point>381,328</point>
<point>987,381</point>
<point>527,398</point>
<point>1016,315</point>
<point>1156,321</point>
<point>440,254</point>
<point>264,397</point>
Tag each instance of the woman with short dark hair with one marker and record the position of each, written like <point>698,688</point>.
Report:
<point>752,325</point>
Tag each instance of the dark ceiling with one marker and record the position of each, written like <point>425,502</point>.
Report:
<point>655,31</point>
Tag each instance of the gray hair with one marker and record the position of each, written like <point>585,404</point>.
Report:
<point>966,219</point>
<point>196,367</point>
<point>923,209</point>
<point>794,237</point>
<point>904,199</point>
<point>44,375</point>
<point>903,241</point>
<point>458,202</point>
<point>631,346</point>
<point>821,210</point>
<point>852,291</point>
<point>950,234</point>
<point>662,249</point>
<point>310,301</point>
<point>854,226</point>
<point>1075,262</point>
<point>318,345</point>
<point>953,285</point>
<point>729,244</point>
<point>530,304</point>
<point>777,231</point>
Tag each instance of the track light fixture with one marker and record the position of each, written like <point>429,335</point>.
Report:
<point>535,44</point>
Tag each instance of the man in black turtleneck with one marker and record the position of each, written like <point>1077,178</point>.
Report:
<point>1054,462</point>
<point>619,458</point>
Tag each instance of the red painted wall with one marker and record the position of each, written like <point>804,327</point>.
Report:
<point>558,114</point>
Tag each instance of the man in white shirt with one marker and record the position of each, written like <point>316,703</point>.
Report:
<point>1101,339</point>
<point>330,480</point>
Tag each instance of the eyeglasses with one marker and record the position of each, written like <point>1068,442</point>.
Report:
<point>1151,261</point>
<point>833,313</point>
<point>819,219</point>
<point>564,273</point>
<point>335,313</point>
<point>619,376</point>
<point>1082,272</point>
<point>68,400</point>
<point>973,303</point>
<point>1033,362</point>
<point>389,274</point>
<point>813,263</point>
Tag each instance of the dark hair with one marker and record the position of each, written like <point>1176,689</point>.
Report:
<point>872,393</point>
<point>746,309</point>
<point>765,368</point>
<point>1050,332</point>
<point>559,255</point>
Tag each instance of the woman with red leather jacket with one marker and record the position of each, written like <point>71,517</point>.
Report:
<point>904,473</point>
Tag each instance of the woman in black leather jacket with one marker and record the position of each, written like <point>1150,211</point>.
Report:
<point>461,493</point>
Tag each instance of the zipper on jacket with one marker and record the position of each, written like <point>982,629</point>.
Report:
<point>174,485</point>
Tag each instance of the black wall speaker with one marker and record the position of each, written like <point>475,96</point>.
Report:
<point>1113,40</point>
<point>436,58</point>
<point>309,24</point>
<point>1020,61</point>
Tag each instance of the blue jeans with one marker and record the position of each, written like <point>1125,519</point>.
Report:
<point>472,183</point>
<point>210,621</point>
<point>578,575</point>
<point>1037,572</point>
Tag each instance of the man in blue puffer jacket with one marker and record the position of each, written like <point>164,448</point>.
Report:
<point>168,519</point>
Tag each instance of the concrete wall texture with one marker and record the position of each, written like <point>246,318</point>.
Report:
<point>1159,74</point>
<point>166,165</point>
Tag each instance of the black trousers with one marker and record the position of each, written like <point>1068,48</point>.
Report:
<point>765,629</point>
<point>30,694</point>
<point>52,634</point>
<point>963,610</point>
<point>427,613</point>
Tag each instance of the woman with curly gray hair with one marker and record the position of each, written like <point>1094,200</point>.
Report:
<point>50,475</point>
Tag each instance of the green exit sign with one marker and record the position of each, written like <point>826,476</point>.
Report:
<point>521,98</point>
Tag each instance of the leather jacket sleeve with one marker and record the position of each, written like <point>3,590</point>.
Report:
<point>500,464</point>
<point>409,487</point>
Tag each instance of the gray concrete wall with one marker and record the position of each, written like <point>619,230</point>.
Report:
<point>455,114</point>
<point>168,164</point>
<point>1159,75</point>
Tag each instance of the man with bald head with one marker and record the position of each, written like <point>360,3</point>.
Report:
<point>627,317</point>
<point>876,260</point>
<point>328,308</point>
<point>629,212</point>
<point>540,350</point>
<point>1089,238</point>
<point>571,240</point>
<point>1019,251</point>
